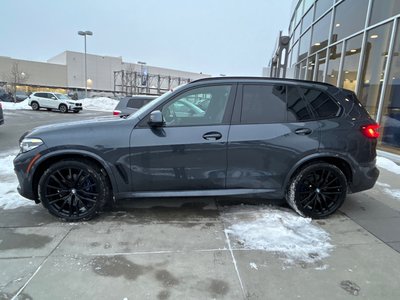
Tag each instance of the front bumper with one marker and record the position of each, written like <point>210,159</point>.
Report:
<point>24,164</point>
<point>75,108</point>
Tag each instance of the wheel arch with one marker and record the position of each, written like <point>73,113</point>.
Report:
<point>45,161</point>
<point>332,158</point>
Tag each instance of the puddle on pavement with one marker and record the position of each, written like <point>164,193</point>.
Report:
<point>11,239</point>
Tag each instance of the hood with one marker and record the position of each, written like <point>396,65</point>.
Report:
<point>77,126</point>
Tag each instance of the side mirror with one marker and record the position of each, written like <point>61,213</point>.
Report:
<point>156,119</point>
<point>54,98</point>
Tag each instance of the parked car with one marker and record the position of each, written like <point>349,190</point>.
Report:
<point>1,115</point>
<point>129,105</point>
<point>308,142</point>
<point>52,101</point>
<point>6,97</point>
<point>21,96</point>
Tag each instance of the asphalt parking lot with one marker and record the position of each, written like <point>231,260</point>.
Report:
<point>181,248</point>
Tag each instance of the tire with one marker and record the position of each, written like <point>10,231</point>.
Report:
<point>317,190</point>
<point>35,105</point>
<point>74,190</point>
<point>63,108</point>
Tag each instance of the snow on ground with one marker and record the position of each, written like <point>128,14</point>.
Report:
<point>18,105</point>
<point>99,103</point>
<point>296,238</point>
<point>387,164</point>
<point>9,197</point>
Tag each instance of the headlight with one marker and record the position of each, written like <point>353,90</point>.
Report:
<point>28,144</point>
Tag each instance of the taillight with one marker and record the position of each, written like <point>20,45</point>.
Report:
<point>371,131</point>
<point>116,112</point>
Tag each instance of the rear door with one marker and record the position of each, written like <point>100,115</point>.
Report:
<point>272,128</point>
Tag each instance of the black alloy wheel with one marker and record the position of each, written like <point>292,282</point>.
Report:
<point>73,190</point>
<point>35,106</point>
<point>63,108</point>
<point>317,191</point>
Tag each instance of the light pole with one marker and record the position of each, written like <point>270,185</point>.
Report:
<point>85,33</point>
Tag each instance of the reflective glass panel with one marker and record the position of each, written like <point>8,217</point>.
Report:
<point>335,52</point>
<point>383,9</point>
<point>351,62</point>
<point>295,52</point>
<point>310,67</point>
<point>349,18</point>
<point>303,67</point>
<point>307,20</point>
<point>375,60</point>
<point>304,45</point>
<point>321,65</point>
<point>390,121</point>
<point>320,33</point>
<point>322,6</point>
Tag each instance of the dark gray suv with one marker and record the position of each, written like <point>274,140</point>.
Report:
<point>308,142</point>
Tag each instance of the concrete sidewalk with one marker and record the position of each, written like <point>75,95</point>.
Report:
<point>177,249</point>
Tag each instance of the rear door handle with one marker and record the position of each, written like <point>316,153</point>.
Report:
<point>212,136</point>
<point>303,131</point>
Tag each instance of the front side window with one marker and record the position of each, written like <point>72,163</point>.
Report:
<point>323,106</point>
<point>263,104</point>
<point>200,106</point>
<point>62,97</point>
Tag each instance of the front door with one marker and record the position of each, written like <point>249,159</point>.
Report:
<point>189,152</point>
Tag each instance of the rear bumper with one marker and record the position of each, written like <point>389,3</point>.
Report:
<point>364,177</point>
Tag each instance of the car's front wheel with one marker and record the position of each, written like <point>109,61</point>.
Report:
<point>63,108</point>
<point>74,190</point>
<point>35,106</point>
<point>317,190</point>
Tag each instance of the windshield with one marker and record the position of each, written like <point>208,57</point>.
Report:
<point>62,96</point>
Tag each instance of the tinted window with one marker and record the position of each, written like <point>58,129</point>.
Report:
<point>322,104</point>
<point>134,103</point>
<point>200,106</point>
<point>296,106</point>
<point>263,104</point>
<point>42,95</point>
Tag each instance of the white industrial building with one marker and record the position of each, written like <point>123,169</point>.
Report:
<point>65,72</point>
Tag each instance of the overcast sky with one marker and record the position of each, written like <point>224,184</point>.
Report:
<point>233,37</point>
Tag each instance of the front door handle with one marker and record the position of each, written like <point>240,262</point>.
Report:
<point>303,131</point>
<point>212,136</point>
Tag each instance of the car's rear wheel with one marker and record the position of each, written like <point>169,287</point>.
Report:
<point>35,106</point>
<point>317,190</point>
<point>63,108</point>
<point>74,190</point>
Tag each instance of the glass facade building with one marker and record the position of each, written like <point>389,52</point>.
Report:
<point>354,44</point>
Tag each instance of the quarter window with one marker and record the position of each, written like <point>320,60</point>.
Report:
<point>263,104</point>
<point>321,103</point>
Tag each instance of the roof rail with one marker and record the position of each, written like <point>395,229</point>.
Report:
<point>260,78</point>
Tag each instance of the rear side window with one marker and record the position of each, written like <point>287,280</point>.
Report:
<point>296,106</point>
<point>322,104</point>
<point>42,95</point>
<point>263,104</point>
<point>135,103</point>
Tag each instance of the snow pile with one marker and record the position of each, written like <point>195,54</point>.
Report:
<point>18,105</point>
<point>9,197</point>
<point>387,164</point>
<point>99,103</point>
<point>297,239</point>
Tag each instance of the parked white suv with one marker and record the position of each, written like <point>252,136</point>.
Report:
<point>51,101</point>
